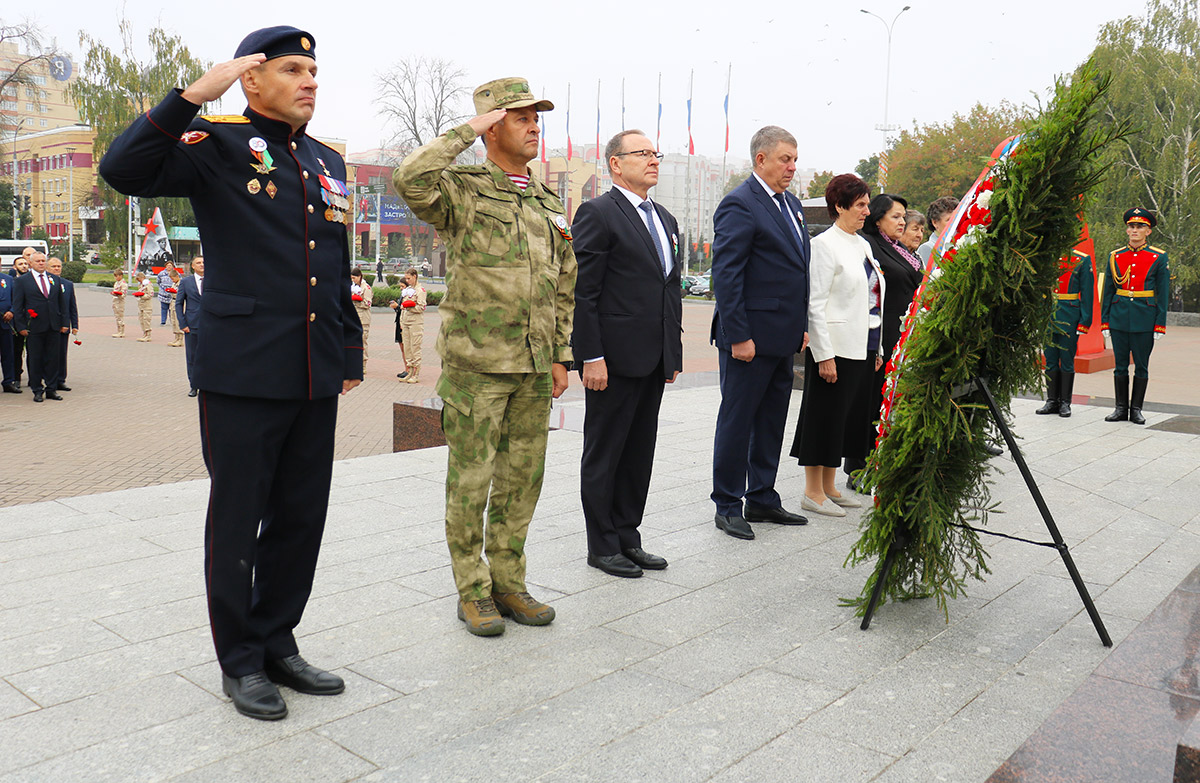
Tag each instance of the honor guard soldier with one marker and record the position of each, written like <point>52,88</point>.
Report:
<point>1074,295</point>
<point>504,340</point>
<point>1133,311</point>
<point>281,341</point>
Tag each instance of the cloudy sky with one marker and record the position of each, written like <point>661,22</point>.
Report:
<point>817,69</point>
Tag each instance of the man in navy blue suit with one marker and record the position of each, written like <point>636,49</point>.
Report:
<point>40,315</point>
<point>7,360</point>
<point>188,309</point>
<point>54,267</point>
<point>760,272</point>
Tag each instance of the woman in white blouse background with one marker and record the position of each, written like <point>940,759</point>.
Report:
<point>846,290</point>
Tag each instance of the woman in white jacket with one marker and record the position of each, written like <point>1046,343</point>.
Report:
<point>846,290</point>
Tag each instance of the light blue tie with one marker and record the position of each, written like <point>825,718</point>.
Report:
<point>648,208</point>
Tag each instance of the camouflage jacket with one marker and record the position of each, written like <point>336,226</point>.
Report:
<point>510,269</point>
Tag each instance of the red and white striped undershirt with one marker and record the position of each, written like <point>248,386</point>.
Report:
<point>520,180</point>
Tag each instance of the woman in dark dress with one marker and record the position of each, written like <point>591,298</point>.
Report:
<point>903,271</point>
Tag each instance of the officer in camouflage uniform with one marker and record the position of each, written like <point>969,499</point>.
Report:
<point>1133,311</point>
<point>504,340</point>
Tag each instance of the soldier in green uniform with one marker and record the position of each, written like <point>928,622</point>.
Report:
<point>504,340</point>
<point>1133,311</point>
<point>1074,295</point>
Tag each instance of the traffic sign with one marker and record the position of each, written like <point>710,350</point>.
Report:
<point>371,190</point>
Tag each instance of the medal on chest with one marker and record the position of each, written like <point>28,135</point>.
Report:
<point>265,163</point>
<point>335,195</point>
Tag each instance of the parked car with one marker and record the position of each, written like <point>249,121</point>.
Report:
<point>702,287</point>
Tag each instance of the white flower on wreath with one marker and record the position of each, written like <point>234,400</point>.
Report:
<point>984,199</point>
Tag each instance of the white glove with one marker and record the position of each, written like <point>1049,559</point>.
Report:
<point>1158,335</point>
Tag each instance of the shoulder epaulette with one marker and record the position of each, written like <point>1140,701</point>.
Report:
<point>1124,249</point>
<point>1156,249</point>
<point>226,119</point>
<point>1080,253</point>
<point>326,146</point>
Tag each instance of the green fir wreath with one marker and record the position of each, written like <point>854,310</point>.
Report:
<point>984,315</point>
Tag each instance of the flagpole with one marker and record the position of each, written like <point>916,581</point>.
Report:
<point>728,79</point>
<point>687,198</point>
<point>658,132</point>
<point>596,182</point>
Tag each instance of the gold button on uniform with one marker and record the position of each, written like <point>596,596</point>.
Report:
<point>310,209</point>
<point>312,281</point>
<point>293,145</point>
<point>311,244</point>
<point>312,316</point>
<point>305,173</point>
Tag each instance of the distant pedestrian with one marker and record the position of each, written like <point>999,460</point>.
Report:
<point>145,297</point>
<point>361,294</point>
<point>120,289</point>
<point>164,282</point>
<point>412,322</point>
<point>172,318</point>
<point>189,309</point>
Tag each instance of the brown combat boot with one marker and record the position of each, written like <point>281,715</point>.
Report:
<point>523,608</point>
<point>481,617</point>
<point>145,338</point>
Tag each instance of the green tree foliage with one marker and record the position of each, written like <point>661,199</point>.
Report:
<point>113,253</point>
<point>868,170</point>
<point>6,212</point>
<point>1155,60</point>
<point>984,316</point>
<point>943,159</point>
<point>115,87</point>
<point>816,188</point>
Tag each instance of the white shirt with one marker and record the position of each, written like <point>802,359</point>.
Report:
<point>637,200</point>
<point>771,194</point>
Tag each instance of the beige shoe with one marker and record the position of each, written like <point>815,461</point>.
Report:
<point>122,334</point>
<point>846,501</point>
<point>523,608</point>
<point>481,617</point>
<point>826,508</point>
<point>414,373</point>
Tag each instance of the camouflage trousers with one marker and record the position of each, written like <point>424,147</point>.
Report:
<point>495,426</point>
<point>118,306</point>
<point>145,312</point>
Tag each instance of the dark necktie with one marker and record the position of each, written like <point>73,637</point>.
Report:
<point>648,208</point>
<point>787,215</point>
<point>45,289</point>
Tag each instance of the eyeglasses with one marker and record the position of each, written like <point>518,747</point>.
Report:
<point>641,154</point>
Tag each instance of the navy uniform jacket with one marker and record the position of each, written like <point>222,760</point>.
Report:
<point>760,273</point>
<point>278,319</point>
<point>6,303</point>
<point>626,309</point>
<point>1136,293</point>
<point>72,307</point>
<point>189,304</point>
<point>51,312</point>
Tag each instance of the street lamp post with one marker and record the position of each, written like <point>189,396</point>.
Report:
<point>71,204</point>
<point>16,199</point>
<point>887,84</point>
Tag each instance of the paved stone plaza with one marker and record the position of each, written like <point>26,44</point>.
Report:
<point>735,664</point>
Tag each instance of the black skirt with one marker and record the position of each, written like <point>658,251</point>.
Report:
<point>830,425</point>
<point>399,333</point>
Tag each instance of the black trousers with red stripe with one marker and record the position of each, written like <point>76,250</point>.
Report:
<point>270,462</point>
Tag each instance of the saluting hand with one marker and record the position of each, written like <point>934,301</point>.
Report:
<point>220,77</point>
<point>481,123</point>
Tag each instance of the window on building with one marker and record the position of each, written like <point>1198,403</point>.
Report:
<point>42,122</point>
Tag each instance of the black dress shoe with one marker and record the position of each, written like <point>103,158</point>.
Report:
<point>780,516</point>
<point>302,677</point>
<point>255,696</point>
<point>735,526</point>
<point>992,449</point>
<point>617,565</point>
<point>193,393</point>
<point>53,395</point>
<point>645,559</point>
<point>11,388</point>
<point>63,387</point>
<point>37,396</point>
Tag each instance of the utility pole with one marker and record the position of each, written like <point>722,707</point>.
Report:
<point>887,84</point>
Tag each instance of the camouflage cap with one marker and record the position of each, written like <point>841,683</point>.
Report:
<point>510,93</point>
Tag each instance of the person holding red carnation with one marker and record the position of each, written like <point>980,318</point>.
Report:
<point>171,290</point>
<point>120,288</point>
<point>361,294</point>
<point>412,322</point>
<point>144,294</point>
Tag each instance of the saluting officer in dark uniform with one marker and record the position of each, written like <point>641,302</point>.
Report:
<point>1133,311</point>
<point>1074,295</point>
<point>281,340</point>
